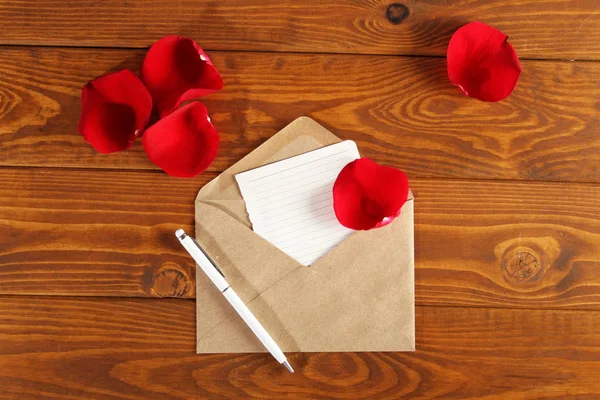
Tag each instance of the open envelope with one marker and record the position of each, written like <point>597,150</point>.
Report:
<point>357,297</point>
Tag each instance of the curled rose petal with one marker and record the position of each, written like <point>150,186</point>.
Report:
<point>176,70</point>
<point>367,195</point>
<point>482,63</point>
<point>184,143</point>
<point>115,108</point>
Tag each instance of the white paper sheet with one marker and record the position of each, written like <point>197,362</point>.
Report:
<point>290,202</point>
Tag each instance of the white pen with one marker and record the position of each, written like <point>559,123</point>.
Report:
<point>217,277</point>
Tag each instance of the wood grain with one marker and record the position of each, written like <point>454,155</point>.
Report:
<point>144,349</point>
<point>565,29</point>
<point>478,243</point>
<point>401,111</point>
<point>88,233</point>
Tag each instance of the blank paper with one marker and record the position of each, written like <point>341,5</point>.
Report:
<point>290,202</point>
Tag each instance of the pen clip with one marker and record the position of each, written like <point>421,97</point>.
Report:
<point>207,256</point>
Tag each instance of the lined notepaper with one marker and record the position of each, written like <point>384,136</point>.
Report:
<point>290,202</point>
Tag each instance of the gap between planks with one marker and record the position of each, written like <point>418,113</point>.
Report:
<point>278,52</point>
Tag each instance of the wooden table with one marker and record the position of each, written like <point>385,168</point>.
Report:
<point>96,296</point>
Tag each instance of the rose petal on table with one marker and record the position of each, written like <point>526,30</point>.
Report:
<point>176,69</point>
<point>482,63</point>
<point>184,143</point>
<point>115,108</point>
<point>367,195</point>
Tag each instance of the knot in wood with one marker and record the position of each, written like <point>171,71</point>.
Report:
<point>171,280</point>
<point>522,266</point>
<point>396,13</point>
<point>337,369</point>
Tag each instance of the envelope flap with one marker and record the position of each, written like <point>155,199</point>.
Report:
<point>300,136</point>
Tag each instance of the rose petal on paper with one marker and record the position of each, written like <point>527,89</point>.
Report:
<point>482,63</point>
<point>184,143</point>
<point>115,108</point>
<point>367,195</point>
<point>176,69</point>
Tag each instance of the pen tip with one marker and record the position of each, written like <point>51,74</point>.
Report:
<point>288,366</point>
<point>180,233</point>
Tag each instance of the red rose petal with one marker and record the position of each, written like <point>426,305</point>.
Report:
<point>184,143</point>
<point>115,108</point>
<point>482,63</point>
<point>367,195</point>
<point>175,70</point>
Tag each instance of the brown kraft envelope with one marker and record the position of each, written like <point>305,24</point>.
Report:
<point>357,297</point>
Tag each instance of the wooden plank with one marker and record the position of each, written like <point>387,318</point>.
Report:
<point>565,29</point>
<point>478,243</point>
<point>98,234</point>
<point>401,111</point>
<point>73,348</point>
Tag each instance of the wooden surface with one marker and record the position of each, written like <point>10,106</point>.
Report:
<point>562,29</point>
<point>96,296</point>
<point>101,233</point>
<point>400,110</point>
<point>140,349</point>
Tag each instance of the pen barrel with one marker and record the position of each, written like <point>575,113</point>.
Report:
<point>254,325</point>
<point>204,263</point>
